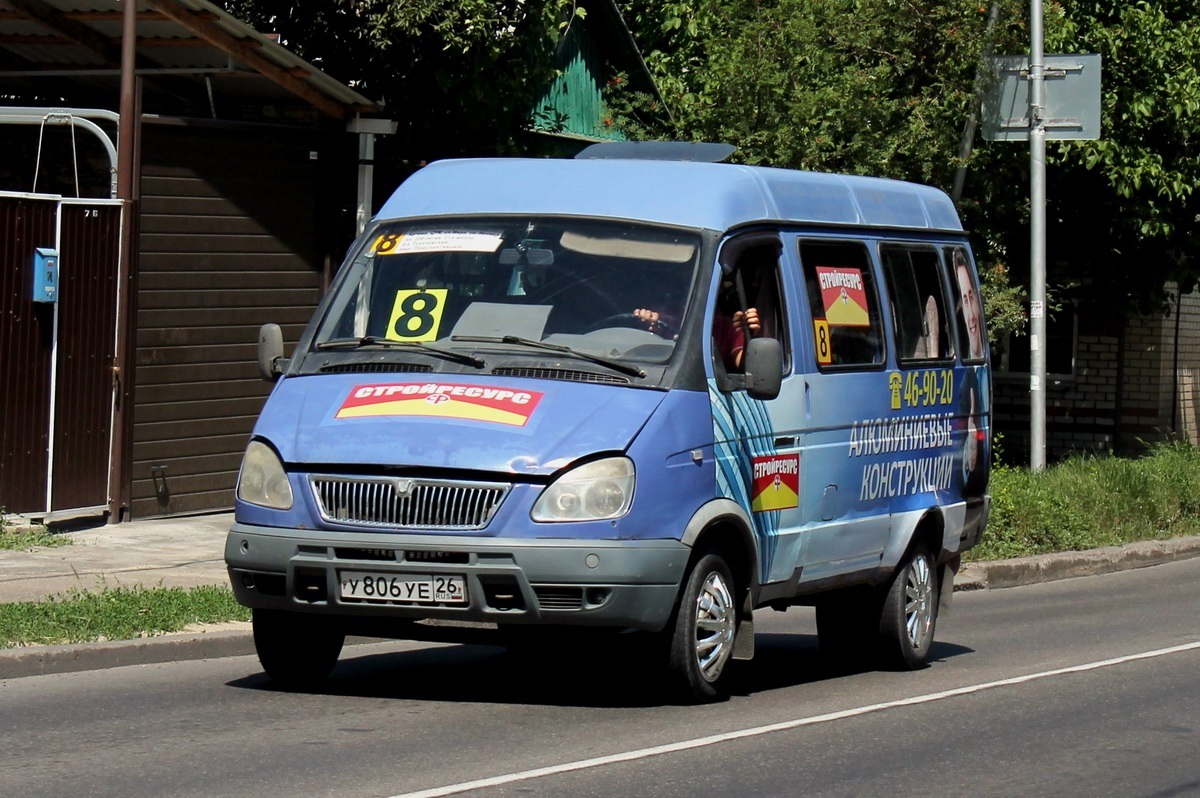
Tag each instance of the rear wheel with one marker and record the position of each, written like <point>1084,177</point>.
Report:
<point>702,631</point>
<point>892,626</point>
<point>909,614</point>
<point>296,650</point>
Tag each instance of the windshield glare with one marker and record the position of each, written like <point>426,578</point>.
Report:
<point>582,284</point>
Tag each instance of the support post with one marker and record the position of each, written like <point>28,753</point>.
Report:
<point>1037,232</point>
<point>367,129</point>
<point>118,499</point>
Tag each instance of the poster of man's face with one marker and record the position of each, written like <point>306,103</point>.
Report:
<point>970,311</point>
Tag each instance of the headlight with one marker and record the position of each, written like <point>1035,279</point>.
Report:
<point>262,480</point>
<point>592,492</point>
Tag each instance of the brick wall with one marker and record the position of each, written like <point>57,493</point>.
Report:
<point>1187,399</point>
<point>1159,397</point>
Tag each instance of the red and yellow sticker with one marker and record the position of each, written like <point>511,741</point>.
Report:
<point>488,403</point>
<point>776,484</point>
<point>844,296</point>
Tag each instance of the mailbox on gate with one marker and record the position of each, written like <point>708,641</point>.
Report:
<point>45,275</point>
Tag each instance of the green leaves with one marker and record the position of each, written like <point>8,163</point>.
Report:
<point>884,87</point>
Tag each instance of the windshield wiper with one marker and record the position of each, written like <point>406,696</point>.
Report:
<point>616,365</point>
<point>416,346</point>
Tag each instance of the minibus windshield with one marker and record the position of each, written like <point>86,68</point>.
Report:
<point>605,289</point>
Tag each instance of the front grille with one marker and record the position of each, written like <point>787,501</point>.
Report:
<point>551,597</point>
<point>569,375</point>
<point>375,368</point>
<point>403,503</point>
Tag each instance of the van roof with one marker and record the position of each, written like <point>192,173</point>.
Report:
<point>716,196</point>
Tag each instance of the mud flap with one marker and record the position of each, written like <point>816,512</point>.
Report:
<point>946,584</point>
<point>743,641</point>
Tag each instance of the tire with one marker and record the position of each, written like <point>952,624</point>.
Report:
<point>909,615</point>
<point>701,632</point>
<point>296,650</point>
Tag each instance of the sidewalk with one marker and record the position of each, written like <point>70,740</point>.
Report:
<point>167,552</point>
<point>189,551</point>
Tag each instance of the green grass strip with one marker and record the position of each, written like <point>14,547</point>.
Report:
<point>121,613</point>
<point>1088,502</point>
<point>25,539</point>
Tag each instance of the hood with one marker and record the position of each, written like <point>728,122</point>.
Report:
<point>477,423</point>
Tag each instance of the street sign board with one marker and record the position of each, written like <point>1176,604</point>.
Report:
<point>1072,98</point>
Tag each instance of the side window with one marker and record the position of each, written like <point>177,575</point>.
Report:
<point>968,306</point>
<point>922,324</point>
<point>749,299</point>
<point>847,325</point>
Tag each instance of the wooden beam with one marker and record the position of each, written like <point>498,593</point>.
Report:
<point>111,16</point>
<point>49,17</point>
<point>248,52</point>
<point>40,40</point>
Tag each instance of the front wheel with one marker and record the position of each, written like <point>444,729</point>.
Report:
<point>909,613</point>
<point>296,651</point>
<point>702,631</point>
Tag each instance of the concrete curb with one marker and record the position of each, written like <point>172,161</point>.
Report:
<point>1067,565</point>
<point>17,663</point>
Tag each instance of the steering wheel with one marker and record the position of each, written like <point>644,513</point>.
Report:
<point>617,320</point>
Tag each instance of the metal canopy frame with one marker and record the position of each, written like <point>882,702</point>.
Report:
<point>82,39</point>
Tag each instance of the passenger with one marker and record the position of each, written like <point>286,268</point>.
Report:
<point>729,329</point>
<point>729,334</point>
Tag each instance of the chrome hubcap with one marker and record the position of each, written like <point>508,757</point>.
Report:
<point>918,601</point>
<point>715,626</point>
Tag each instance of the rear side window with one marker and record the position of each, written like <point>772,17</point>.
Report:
<point>847,328</point>
<point>919,306</point>
<point>972,336</point>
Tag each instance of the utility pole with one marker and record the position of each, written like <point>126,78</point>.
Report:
<point>1037,233</point>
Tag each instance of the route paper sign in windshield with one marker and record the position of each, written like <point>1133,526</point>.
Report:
<point>435,241</point>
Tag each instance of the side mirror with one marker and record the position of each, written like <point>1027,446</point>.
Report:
<point>270,352</point>
<point>762,363</point>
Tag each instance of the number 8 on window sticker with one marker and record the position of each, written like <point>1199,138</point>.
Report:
<point>417,315</point>
<point>824,350</point>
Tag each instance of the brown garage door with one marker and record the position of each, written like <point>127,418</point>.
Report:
<point>228,242</point>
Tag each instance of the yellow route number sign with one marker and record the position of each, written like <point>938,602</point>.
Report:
<point>417,315</point>
<point>821,336</point>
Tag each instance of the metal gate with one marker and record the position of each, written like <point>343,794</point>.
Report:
<point>56,358</point>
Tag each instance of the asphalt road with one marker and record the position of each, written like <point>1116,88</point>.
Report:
<point>1080,687</point>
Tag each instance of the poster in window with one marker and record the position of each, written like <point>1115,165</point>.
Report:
<point>844,296</point>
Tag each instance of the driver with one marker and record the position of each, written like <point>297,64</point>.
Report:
<point>659,323</point>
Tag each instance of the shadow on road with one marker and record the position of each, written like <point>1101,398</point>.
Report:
<point>598,676</point>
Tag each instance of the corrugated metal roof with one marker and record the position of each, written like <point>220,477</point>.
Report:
<point>46,42</point>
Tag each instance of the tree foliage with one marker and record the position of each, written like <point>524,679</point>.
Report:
<point>1126,205</point>
<point>460,76</point>
<point>884,87</point>
<point>861,86</point>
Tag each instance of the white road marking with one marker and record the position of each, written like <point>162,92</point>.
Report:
<point>701,742</point>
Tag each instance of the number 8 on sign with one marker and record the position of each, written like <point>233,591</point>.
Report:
<point>417,315</point>
<point>824,350</point>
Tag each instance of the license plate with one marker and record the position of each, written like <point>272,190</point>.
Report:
<point>404,588</point>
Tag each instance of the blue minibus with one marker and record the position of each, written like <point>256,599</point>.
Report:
<point>634,393</point>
